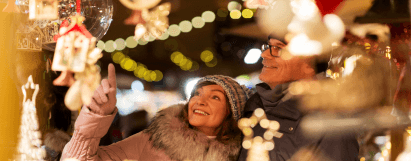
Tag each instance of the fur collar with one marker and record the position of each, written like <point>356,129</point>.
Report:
<point>179,142</point>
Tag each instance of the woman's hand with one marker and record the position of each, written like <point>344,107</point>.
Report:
<point>104,98</point>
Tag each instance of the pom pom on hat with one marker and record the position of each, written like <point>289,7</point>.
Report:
<point>236,93</point>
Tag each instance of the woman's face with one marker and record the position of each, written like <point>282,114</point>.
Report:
<point>208,108</point>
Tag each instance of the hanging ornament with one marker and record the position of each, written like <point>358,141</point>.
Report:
<point>43,9</point>
<point>259,147</point>
<point>76,53</point>
<point>148,23</point>
<point>98,13</point>
<point>29,146</point>
<point>29,37</point>
<point>11,7</point>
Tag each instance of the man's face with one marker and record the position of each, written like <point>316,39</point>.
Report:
<point>276,70</point>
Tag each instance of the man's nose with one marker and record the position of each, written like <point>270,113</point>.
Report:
<point>266,54</point>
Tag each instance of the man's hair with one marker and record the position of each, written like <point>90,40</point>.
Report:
<point>228,129</point>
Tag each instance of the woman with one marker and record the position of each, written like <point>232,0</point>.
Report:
<point>204,129</point>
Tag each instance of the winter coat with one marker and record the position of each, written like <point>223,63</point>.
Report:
<point>166,138</point>
<point>293,144</point>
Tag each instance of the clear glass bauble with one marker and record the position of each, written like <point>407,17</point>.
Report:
<point>98,14</point>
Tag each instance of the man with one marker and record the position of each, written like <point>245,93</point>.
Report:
<point>273,97</point>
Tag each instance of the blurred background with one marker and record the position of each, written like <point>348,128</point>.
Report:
<point>204,37</point>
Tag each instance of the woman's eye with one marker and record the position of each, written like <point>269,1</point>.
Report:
<point>216,97</point>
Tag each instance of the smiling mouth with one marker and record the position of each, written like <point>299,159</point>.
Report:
<point>200,112</point>
<point>269,66</point>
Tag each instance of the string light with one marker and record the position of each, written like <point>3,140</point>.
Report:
<point>235,14</point>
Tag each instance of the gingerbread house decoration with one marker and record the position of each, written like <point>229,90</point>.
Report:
<point>43,9</point>
<point>73,42</point>
<point>49,32</point>
<point>29,38</point>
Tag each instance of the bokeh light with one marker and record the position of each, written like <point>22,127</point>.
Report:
<point>212,63</point>
<point>235,14</point>
<point>208,16</point>
<point>137,86</point>
<point>171,44</point>
<point>120,44</point>
<point>131,42</point>
<point>142,42</point>
<point>187,66</point>
<point>176,57</point>
<point>159,75</point>
<point>151,38</point>
<point>117,57</point>
<point>128,64</point>
<point>100,44</point>
<point>164,36</point>
<point>252,56</point>
<point>109,46</point>
<point>185,26</point>
<point>247,13</point>
<point>206,56</point>
<point>183,61</point>
<point>147,75</point>
<point>140,70</point>
<point>222,12</point>
<point>174,30</point>
<point>233,5</point>
<point>198,22</point>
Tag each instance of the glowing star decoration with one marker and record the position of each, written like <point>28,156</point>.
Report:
<point>43,9</point>
<point>148,23</point>
<point>29,146</point>
<point>11,7</point>
<point>76,53</point>
<point>259,146</point>
<point>262,4</point>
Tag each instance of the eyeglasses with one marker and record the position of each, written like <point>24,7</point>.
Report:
<point>266,46</point>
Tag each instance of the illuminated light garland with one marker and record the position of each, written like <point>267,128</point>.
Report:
<point>206,56</point>
<point>198,22</point>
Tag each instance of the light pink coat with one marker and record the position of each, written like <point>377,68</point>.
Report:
<point>170,139</point>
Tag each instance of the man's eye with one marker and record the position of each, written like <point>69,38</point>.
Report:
<point>196,93</point>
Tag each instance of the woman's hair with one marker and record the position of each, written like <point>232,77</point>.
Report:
<point>228,129</point>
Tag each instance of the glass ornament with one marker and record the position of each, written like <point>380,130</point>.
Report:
<point>98,14</point>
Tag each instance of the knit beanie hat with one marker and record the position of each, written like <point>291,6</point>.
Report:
<point>236,93</point>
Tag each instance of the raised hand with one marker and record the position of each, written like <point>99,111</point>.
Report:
<point>104,98</point>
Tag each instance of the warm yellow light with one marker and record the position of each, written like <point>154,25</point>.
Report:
<point>212,63</point>
<point>388,145</point>
<point>235,14</point>
<point>141,72</point>
<point>100,44</point>
<point>120,44</point>
<point>147,75</point>
<point>174,30</point>
<point>185,26</point>
<point>206,56</point>
<point>177,58</point>
<point>164,36</point>
<point>233,5</point>
<point>173,56</point>
<point>117,57</point>
<point>109,46</point>
<point>195,66</point>
<point>247,13</point>
<point>247,144</point>
<point>198,22</point>
<point>142,42</point>
<point>381,159</point>
<point>362,159</point>
<point>208,16</point>
<point>367,46</point>
<point>385,152</point>
<point>247,131</point>
<point>129,64</point>
<point>183,61</point>
<point>131,42</point>
<point>159,75</point>
<point>187,66</point>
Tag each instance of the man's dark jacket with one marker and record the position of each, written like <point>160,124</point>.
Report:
<point>281,106</point>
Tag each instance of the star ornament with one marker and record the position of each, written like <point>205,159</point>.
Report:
<point>30,84</point>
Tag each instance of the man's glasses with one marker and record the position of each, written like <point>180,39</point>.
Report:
<point>266,46</point>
